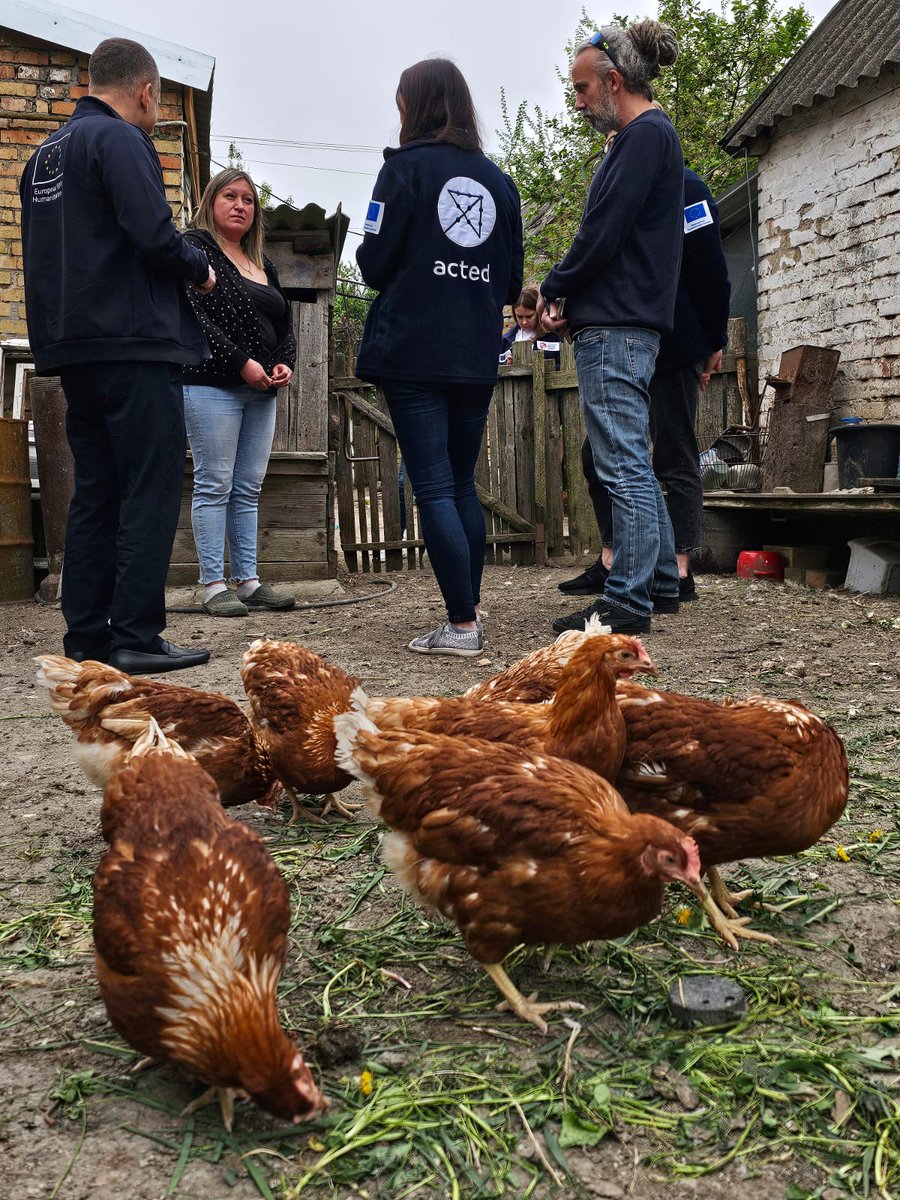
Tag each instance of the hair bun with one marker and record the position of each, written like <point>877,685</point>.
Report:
<point>655,43</point>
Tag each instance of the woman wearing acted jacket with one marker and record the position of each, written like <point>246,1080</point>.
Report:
<point>443,247</point>
<point>229,400</point>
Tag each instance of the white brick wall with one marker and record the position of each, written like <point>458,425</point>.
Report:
<point>829,242</point>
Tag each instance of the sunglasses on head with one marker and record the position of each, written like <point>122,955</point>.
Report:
<point>599,40</point>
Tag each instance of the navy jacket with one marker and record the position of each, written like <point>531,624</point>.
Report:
<point>228,317</point>
<point>104,263</point>
<point>443,246</point>
<point>622,266</point>
<point>704,293</point>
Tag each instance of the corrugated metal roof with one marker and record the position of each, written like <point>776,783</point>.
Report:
<point>79,31</point>
<point>855,41</point>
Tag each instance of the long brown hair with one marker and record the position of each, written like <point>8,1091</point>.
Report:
<point>436,104</point>
<point>252,241</point>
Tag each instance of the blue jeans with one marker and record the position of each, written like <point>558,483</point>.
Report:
<point>674,397</point>
<point>615,366</point>
<point>440,430</point>
<point>231,432</point>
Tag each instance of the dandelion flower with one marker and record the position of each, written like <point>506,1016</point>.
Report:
<point>876,835</point>
<point>682,915</point>
<point>365,1083</point>
<point>842,854</point>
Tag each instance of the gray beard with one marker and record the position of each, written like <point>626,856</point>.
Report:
<point>604,118</point>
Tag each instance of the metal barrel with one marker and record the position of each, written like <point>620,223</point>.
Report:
<point>16,543</point>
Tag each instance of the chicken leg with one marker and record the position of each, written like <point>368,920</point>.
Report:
<point>526,1008</point>
<point>348,811</point>
<point>226,1098</point>
<point>724,898</point>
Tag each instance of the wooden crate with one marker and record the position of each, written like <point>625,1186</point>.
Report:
<point>293,522</point>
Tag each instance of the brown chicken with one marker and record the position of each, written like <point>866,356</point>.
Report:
<point>514,848</point>
<point>109,710</point>
<point>294,694</point>
<point>190,928</point>
<point>582,721</point>
<point>535,677</point>
<point>745,779</point>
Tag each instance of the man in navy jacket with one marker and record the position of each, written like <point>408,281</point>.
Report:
<point>105,270</point>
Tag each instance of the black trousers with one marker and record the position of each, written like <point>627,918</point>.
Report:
<point>125,425</point>
<point>674,396</point>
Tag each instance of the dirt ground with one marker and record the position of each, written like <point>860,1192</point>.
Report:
<point>460,1100</point>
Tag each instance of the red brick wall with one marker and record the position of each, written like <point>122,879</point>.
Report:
<point>39,84</point>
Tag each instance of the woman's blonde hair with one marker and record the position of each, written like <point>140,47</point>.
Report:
<point>252,241</point>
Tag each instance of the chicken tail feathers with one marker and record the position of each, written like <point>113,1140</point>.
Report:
<point>78,690</point>
<point>152,738</point>
<point>349,755</point>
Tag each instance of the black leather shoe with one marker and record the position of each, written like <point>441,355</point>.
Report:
<point>90,655</point>
<point>167,658</point>
<point>687,589</point>
<point>589,583</point>
<point>664,604</point>
<point>619,619</point>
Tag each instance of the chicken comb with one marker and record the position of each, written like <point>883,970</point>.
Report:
<point>692,851</point>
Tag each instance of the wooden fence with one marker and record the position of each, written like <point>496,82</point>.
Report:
<point>529,476</point>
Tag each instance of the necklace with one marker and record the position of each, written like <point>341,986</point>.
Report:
<point>248,270</point>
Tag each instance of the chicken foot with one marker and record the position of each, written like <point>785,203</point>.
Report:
<point>729,928</point>
<point>525,1007</point>
<point>348,811</point>
<point>226,1098</point>
<point>299,812</point>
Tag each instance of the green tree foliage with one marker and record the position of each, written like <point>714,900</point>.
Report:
<point>236,160</point>
<point>351,306</point>
<point>728,56</point>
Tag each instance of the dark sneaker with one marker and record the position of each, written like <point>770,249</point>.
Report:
<point>687,589</point>
<point>589,583</point>
<point>462,643</point>
<point>664,604</point>
<point>620,620</point>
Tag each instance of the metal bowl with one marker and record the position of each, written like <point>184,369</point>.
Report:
<point>744,477</point>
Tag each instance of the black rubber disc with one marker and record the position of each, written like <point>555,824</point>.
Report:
<point>706,1000</point>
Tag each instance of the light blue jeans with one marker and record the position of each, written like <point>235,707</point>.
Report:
<point>231,432</point>
<point>615,366</point>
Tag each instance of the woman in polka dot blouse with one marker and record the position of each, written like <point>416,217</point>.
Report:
<point>229,400</point>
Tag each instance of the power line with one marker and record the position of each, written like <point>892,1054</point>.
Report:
<point>342,147</point>
<point>266,162</point>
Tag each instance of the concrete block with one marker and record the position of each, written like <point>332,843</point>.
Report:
<point>874,566</point>
<point>823,579</point>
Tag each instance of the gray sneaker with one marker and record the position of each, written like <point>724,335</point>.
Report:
<point>465,643</point>
<point>266,596</point>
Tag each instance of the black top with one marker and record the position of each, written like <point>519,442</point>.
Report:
<point>234,324</point>
<point>622,266</point>
<point>443,246</point>
<point>704,293</point>
<point>104,263</point>
<point>269,305</point>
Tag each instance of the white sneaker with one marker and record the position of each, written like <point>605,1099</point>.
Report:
<point>465,643</point>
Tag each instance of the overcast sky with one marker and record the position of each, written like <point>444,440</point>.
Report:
<point>327,73</point>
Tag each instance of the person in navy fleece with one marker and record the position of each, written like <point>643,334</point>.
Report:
<point>618,281</point>
<point>105,270</point>
<point>687,357</point>
<point>443,247</point>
